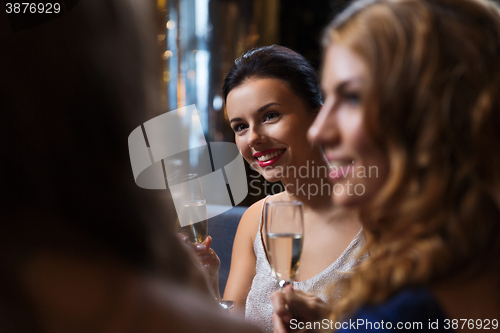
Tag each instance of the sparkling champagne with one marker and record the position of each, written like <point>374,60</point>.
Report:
<point>195,213</point>
<point>284,254</point>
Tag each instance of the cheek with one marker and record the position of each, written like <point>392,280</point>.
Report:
<point>355,135</point>
<point>363,145</point>
<point>370,156</point>
<point>243,148</point>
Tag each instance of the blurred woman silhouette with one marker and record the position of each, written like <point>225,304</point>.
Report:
<point>83,249</point>
<point>412,88</point>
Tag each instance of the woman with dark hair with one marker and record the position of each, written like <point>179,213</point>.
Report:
<point>272,96</point>
<point>83,249</point>
<point>424,76</point>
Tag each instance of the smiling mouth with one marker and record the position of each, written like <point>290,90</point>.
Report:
<point>340,169</point>
<point>270,156</point>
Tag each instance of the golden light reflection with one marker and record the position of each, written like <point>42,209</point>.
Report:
<point>170,25</point>
<point>167,54</point>
<point>181,112</point>
<point>166,76</point>
<point>161,5</point>
<point>181,92</point>
<point>161,37</point>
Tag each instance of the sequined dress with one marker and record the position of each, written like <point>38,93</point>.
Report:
<point>259,309</point>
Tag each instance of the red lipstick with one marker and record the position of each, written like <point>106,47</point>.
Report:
<point>265,152</point>
<point>340,172</point>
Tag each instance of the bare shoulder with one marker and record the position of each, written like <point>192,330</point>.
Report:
<point>249,223</point>
<point>253,212</point>
<point>107,297</point>
<point>172,308</point>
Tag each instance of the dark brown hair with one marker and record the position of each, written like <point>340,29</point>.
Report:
<point>277,62</point>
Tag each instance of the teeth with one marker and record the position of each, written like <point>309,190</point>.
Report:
<point>267,157</point>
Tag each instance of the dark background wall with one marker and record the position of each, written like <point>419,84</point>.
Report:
<point>302,23</point>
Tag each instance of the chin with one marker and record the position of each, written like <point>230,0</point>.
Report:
<point>350,199</point>
<point>342,201</point>
<point>271,179</point>
<point>272,175</point>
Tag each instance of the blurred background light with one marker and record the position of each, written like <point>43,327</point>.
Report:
<point>200,39</point>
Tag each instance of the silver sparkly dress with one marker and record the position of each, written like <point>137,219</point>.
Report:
<point>259,309</point>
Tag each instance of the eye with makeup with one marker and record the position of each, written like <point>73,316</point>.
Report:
<point>268,117</point>
<point>271,116</point>
<point>239,127</point>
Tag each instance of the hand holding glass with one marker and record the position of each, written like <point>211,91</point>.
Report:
<point>193,219</point>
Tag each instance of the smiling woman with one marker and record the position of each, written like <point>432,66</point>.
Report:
<point>270,123</point>
<point>272,97</point>
<point>340,129</point>
<point>430,105</point>
<point>412,87</point>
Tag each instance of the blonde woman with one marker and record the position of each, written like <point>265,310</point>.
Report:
<point>424,76</point>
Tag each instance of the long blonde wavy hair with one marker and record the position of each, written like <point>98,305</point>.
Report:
<point>433,105</point>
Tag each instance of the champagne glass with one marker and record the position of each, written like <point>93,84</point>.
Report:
<point>284,227</point>
<point>191,206</point>
<point>192,219</point>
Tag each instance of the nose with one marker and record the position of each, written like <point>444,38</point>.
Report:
<point>255,136</point>
<point>324,130</point>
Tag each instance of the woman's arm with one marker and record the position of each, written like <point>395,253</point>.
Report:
<point>243,258</point>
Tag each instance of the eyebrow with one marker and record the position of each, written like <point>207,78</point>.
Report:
<point>262,108</point>
<point>344,84</point>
